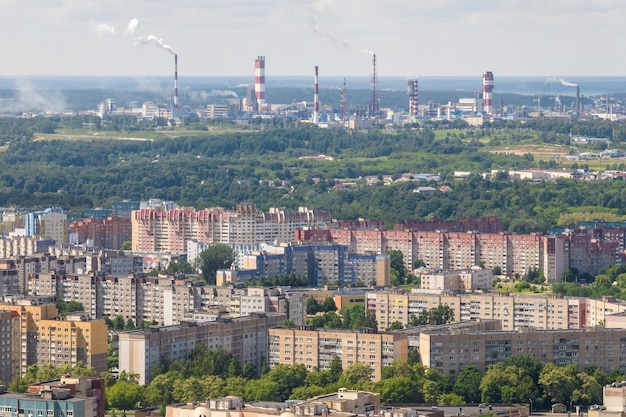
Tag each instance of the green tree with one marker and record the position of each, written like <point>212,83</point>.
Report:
<point>356,375</point>
<point>214,258</point>
<point>312,306</point>
<point>398,390</point>
<point>306,392</point>
<point>588,390</point>
<point>558,382</point>
<point>161,389</point>
<point>396,325</point>
<point>127,245</point>
<point>336,369</point>
<point>451,399</point>
<point>124,395</point>
<point>261,390</point>
<point>236,386</point>
<point>467,384</point>
<point>288,377</point>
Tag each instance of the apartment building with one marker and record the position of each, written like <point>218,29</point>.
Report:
<point>88,387</point>
<point>475,278</point>
<point>245,337</point>
<point>14,246</point>
<point>515,311</point>
<point>9,346</point>
<point>315,348</point>
<point>588,250</point>
<point>320,264</point>
<point>50,224</point>
<point>107,233</point>
<point>450,350</point>
<point>157,230</point>
<point>53,402</point>
<point>44,338</point>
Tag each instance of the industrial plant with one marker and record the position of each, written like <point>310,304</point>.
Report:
<point>475,109</point>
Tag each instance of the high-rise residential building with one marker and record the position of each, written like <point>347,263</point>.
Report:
<point>315,348</point>
<point>155,229</point>
<point>124,208</point>
<point>10,346</point>
<point>244,337</point>
<point>48,224</point>
<point>107,233</point>
<point>47,339</point>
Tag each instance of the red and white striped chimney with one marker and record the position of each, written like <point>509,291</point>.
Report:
<point>316,100</point>
<point>488,92</point>
<point>259,81</point>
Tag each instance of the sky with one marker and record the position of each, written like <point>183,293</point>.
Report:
<point>412,38</point>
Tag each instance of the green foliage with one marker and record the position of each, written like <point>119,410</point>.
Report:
<point>467,384</point>
<point>64,307</point>
<point>441,314</point>
<point>123,395</point>
<point>219,256</point>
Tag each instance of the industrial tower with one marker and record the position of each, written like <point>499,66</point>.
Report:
<point>488,92</point>
<point>259,81</point>
<point>413,96</point>
<point>374,103</point>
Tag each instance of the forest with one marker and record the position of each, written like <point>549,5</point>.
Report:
<point>263,166</point>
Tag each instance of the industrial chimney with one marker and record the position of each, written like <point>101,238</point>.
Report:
<point>259,81</point>
<point>316,100</point>
<point>488,92</point>
<point>176,114</point>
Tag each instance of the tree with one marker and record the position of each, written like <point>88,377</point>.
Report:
<point>161,388</point>
<point>336,369</point>
<point>124,395</point>
<point>127,245</point>
<point>306,392</point>
<point>451,399</point>
<point>312,306</point>
<point>235,385</point>
<point>396,325</point>
<point>398,390</point>
<point>261,390</point>
<point>558,382</point>
<point>214,258</point>
<point>467,384</point>
<point>356,374</point>
<point>328,305</point>
<point>588,390</point>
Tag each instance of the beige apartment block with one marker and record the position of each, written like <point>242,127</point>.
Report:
<point>451,350</point>
<point>244,337</point>
<point>315,348</point>
<point>44,338</point>
<point>514,311</point>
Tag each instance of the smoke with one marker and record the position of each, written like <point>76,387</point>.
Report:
<point>204,95</point>
<point>28,99</point>
<point>367,51</point>
<point>316,8</point>
<point>567,83</point>
<point>142,40</point>
<point>105,28</point>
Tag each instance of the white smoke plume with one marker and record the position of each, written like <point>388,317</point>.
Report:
<point>105,28</point>
<point>316,8</point>
<point>367,51</point>
<point>567,83</point>
<point>155,40</point>
<point>29,99</point>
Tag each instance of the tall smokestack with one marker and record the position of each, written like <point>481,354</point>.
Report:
<point>259,81</point>
<point>176,108</point>
<point>316,100</point>
<point>374,105</point>
<point>577,101</point>
<point>413,96</point>
<point>344,101</point>
<point>488,92</point>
